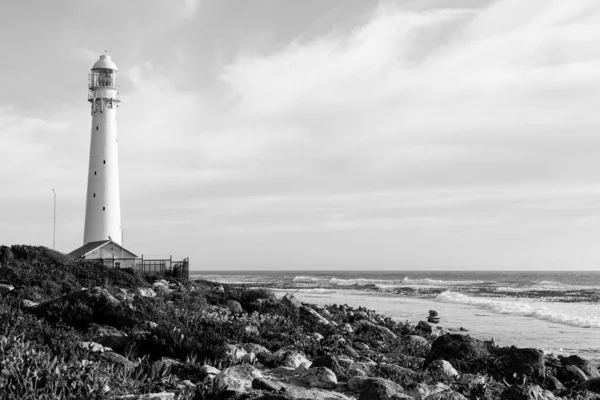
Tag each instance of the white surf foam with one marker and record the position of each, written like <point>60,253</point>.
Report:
<point>307,279</point>
<point>520,309</point>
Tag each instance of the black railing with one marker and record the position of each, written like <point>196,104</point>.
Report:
<point>161,266</point>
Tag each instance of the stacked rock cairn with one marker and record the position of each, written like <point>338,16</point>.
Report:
<point>433,317</point>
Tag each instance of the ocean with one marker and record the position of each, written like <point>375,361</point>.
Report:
<point>558,312</point>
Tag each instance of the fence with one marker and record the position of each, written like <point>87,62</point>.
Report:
<point>162,266</point>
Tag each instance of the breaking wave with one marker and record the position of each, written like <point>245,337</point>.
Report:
<point>519,309</point>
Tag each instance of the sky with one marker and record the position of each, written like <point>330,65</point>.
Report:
<point>314,134</point>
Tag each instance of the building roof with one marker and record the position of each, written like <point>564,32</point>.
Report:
<point>105,63</point>
<point>91,246</point>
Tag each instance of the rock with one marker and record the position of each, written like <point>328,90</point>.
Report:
<point>146,292</point>
<point>108,336</point>
<point>416,340</point>
<point>234,353</point>
<point>446,395</point>
<point>471,380</point>
<point>361,346</point>
<point>553,384</point>
<point>529,362</point>
<point>85,306</point>
<point>28,304</point>
<point>330,362</point>
<point>356,383</point>
<point>318,377</point>
<point>397,370</point>
<point>314,316</point>
<point>290,358</point>
<point>444,367</point>
<point>93,347</point>
<point>583,364</point>
<point>570,375</point>
<point>379,389</point>
<point>160,286</point>
<point>302,367</point>
<point>150,325</point>
<point>317,336</point>
<point>118,359</point>
<point>285,371</point>
<point>251,330</point>
<point>5,288</point>
<point>237,378</point>
<point>149,396</point>
<point>208,370</point>
<point>421,391</point>
<point>291,301</point>
<point>528,391</point>
<point>593,385</point>
<point>249,358</point>
<point>364,324</point>
<point>358,369</point>
<point>344,360</point>
<point>266,384</point>
<point>425,326</point>
<point>235,307</point>
<point>292,392</point>
<point>255,348</point>
<point>347,328</point>
<point>456,347</point>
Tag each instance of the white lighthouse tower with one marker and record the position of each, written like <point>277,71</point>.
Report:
<point>103,204</point>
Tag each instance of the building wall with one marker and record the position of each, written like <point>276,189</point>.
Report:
<point>110,251</point>
<point>103,204</point>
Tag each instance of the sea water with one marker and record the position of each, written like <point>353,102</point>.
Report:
<point>558,312</point>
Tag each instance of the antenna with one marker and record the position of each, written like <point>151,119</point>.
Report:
<point>54,229</point>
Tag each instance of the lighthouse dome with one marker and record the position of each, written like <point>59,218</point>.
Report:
<point>105,63</point>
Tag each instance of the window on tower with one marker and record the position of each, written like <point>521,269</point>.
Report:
<point>103,208</point>
<point>104,161</point>
<point>96,127</point>
<point>94,194</point>
<point>94,172</point>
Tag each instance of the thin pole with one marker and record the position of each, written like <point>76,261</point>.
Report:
<point>54,229</point>
<point>122,241</point>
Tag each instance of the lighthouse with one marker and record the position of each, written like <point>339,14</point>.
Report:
<point>103,202</point>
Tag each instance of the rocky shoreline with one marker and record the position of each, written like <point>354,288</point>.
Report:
<point>74,329</point>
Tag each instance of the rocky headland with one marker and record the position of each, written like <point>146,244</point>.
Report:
<point>73,329</point>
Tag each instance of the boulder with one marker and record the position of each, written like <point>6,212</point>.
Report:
<point>255,348</point>
<point>302,367</point>
<point>593,385</point>
<point>330,362</point>
<point>208,370</point>
<point>237,378</point>
<point>234,353</point>
<point>6,288</point>
<point>570,375</point>
<point>583,364</point>
<point>519,362</point>
<point>425,327</point>
<point>554,384</point>
<point>319,377</point>
<point>266,384</point>
<point>314,316</point>
<point>293,392</point>
<point>285,371</point>
<point>249,358</point>
<point>456,347</point>
<point>108,336</point>
<point>289,358</point>
<point>251,330</point>
<point>366,325</point>
<point>361,346</point>
<point>358,369</point>
<point>444,367</point>
<point>356,383</point>
<point>528,391</point>
<point>416,340</point>
<point>379,389</point>
<point>235,307</point>
<point>291,301</point>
